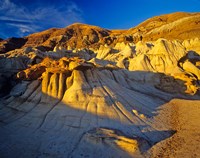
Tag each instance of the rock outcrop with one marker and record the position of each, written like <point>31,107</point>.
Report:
<point>11,44</point>
<point>84,91</point>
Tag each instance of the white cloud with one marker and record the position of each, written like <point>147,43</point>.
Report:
<point>23,29</point>
<point>39,18</point>
<point>12,10</point>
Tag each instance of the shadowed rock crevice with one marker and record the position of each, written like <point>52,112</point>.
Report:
<point>11,44</point>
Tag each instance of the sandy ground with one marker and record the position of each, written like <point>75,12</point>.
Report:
<point>182,116</point>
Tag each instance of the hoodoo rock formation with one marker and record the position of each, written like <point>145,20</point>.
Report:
<point>85,91</point>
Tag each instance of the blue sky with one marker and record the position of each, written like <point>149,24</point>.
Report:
<point>21,17</point>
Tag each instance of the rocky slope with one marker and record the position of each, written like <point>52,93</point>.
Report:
<point>84,91</point>
<point>179,26</point>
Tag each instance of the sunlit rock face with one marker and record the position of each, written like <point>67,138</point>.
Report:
<point>84,91</point>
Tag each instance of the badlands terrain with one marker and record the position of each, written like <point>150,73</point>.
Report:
<point>84,91</point>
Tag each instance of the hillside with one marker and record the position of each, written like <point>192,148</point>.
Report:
<point>179,26</point>
<point>85,91</point>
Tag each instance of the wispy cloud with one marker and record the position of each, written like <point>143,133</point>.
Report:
<point>26,20</point>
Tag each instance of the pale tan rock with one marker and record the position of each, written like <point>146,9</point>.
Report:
<point>45,82</point>
<point>103,51</point>
<point>191,68</point>
<point>192,44</point>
